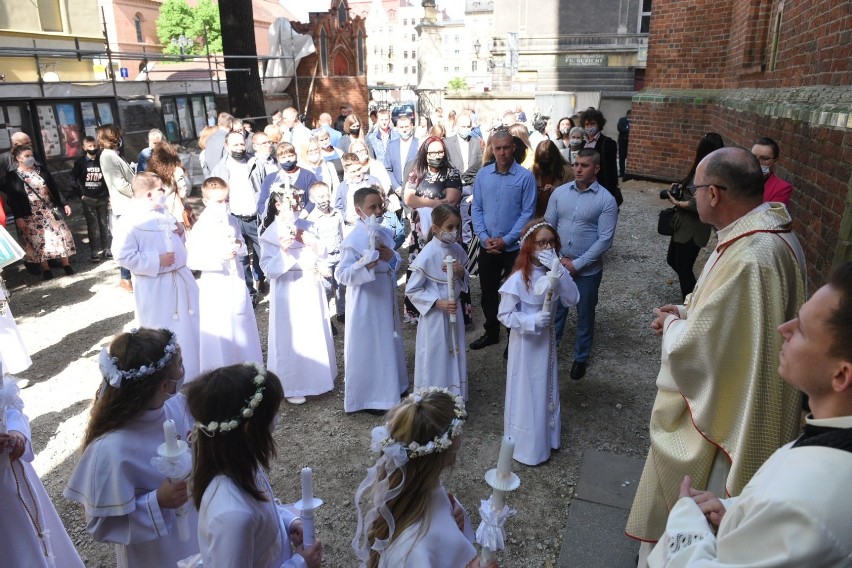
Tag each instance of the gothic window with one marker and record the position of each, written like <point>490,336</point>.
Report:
<point>775,35</point>
<point>341,65</point>
<point>361,66</point>
<point>342,16</point>
<point>137,23</point>
<point>645,17</point>
<point>324,52</point>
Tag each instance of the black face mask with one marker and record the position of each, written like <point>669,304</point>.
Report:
<point>238,155</point>
<point>354,131</point>
<point>92,152</point>
<point>435,162</point>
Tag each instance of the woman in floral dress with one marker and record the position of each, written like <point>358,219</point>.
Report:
<point>36,203</point>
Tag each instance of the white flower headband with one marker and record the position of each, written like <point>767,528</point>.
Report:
<point>245,412</point>
<point>114,376</point>
<point>532,229</point>
<point>394,456</point>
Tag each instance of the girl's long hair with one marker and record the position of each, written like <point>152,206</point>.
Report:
<point>164,159</point>
<point>709,143</point>
<point>524,262</point>
<point>275,197</point>
<point>419,422</point>
<point>421,164</point>
<point>440,214</point>
<point>219,396</point>
<point>116,407</point>
<point>548,161</point>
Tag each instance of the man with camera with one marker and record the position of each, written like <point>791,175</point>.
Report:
<point>688,237</point>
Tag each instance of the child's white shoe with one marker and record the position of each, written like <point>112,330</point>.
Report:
<point>297,400</point>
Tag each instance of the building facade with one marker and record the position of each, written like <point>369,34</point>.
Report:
<point>747,69</point>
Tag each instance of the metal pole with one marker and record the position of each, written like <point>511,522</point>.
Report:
<point>111,72</point>
<point>207,49</point>
<point>295,71</point>
<point>38,69</point>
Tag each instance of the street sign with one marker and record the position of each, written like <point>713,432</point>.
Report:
<point>125,73</point>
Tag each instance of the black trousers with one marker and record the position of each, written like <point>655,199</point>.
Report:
<point>493,269</point>
<point>681,257</point>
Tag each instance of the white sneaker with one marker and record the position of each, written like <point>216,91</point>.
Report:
<point>297,400</point>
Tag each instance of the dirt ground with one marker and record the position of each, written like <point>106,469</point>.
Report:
<point>65,321</point>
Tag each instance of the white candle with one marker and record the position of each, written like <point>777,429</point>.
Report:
<point>372,239</point>
<point>504,461</point>
<point>450,262</point>
<point>171,437</point>
<point>307,487</point>
<point>167,236</point>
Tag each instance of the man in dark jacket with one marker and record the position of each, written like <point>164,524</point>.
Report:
<point>593,121</point>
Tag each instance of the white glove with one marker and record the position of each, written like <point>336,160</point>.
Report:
<point>546,257</point>
<point>368,257</point>
<point>542,319</point>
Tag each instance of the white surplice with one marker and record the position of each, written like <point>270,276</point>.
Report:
<point>435,363</point>
<point>13,352</point>
<point>20,544</point>
<point>300,349</point>
<point>434,540</point>
<point>228,326</point>
<point>532,412</point>
<point>235,529</point>
<point>166,297</point>
<point>376,372</point>
<point>117,485</point>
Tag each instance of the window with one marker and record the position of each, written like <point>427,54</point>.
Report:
<point>473,66</point>
<point>137,22</point>
<point>405,55</point>
<point>390,67</point>
<point>456,69</point>
<point>456,52</point>
<point>413,37</point>
<point>390,51</point>
<point>362,68</point>
<point>775,35</point>
<point>446,39</point>
<point>405,70</point>
<point>375,50</point>
<point>405,21</point>
<point>50,16</point>
<point>446,69</point>
<point>390,30</point>
<point>413,55</point>
<point>645,17</point>
<point>342,16</point>
<point>457,39</point>
<point>324,52</point>
<point>414,69</point>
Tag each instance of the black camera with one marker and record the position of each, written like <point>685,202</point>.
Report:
<point>676,191</point>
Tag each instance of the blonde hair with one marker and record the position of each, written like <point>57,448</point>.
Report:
<point>273,133</point>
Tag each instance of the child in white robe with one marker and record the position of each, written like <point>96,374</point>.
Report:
<point>127,500</point>
<point>328,226</point>
<point>148,241</point>
<point>532,413</point>
<point>376,373</point>
<point>31,533</point>
<point>419,440</point>
<point>300,349</point>
<point>240,522</point>
<point>228,326</point>
<point>14,357</point>
<point>440,359</point>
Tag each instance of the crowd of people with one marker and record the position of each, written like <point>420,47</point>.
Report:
<point>315,219</point>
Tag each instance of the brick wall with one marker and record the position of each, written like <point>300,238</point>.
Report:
<point>330,93</point>
<point>708,71</point>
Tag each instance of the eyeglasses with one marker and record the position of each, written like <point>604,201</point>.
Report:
<point>692,188</point>
<point>765,159</point>
<point>546,243</point>
<point>435,154</point>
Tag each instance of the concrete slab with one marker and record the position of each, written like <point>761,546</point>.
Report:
<point>594,535</point>
<point>594,538</point>
<point>609,479</point>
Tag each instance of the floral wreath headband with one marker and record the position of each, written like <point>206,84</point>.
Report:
<point>246,412</point>
<point>114,376</point>
<point>532,229</point>
<point>383,442</point>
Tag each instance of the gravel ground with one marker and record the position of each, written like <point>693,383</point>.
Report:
<point>64,322</point>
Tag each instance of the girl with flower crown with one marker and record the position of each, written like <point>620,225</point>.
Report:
<point>127,500</point>
<point>413,521</point>
<point>527,303</point>
<point>301,348</point>
<point>438,360</point>
<point>240,522</point>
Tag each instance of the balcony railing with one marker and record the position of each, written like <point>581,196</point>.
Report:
<point>574,41</point>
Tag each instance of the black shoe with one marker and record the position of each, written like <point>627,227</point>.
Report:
<point>47,274</point>
<point>485,341</point>
<point>341,318</point>
<point>578,370</point>
<point>69,270</point>
<point>263,286</point>
<point>107,254</point>
<point>333,329</point>
<point>96,257</point>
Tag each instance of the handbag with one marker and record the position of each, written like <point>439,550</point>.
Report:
<point>666,222</point>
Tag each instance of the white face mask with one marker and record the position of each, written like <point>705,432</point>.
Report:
<point>30,161</point>
<point>765,170</point>
<point>448,237</point>
<point>178,386</point>
<point>219,207</point>
<point>574,142</point>
<point>372,219</point>
<point>591,131</point>
<point>464,132</point>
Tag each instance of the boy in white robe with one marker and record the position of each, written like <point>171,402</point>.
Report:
<point>300,349</point>
<point>31,533</point>
<point>228,326</point>
<point>376,373</point>
<point>149,242</point>
<point>328,226</point>
<point>440,359</point>
<point>532,415</point>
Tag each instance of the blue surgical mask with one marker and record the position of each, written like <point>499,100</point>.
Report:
<point>29,161</point>
<point>406,135</point>
<point>464,132</point>
<point>591,131</point>
<point>289,165</point>
<point>765,170</point>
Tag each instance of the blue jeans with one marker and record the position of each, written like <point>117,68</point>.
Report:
<point>251,262</point>
<point>588,287</point>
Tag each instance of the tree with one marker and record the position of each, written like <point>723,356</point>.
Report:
<point>457,84</point>
<point>179,18</point>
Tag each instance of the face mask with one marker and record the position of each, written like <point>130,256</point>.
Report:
<point>448,237</point>
<point>372,219</point>
<point>160,200</point>
<point>220,207</point>
<point>354,131</point>
<point>406,135</point>
<point>355,177</point>
<point>564,131</point>
<point>238,156</point>
<point>591,131</point>
<point>575,142</point>
<point>92,152</point>
<point>435,162</point>
<point>178,386</point>
<point>765,170</point>
<point>29,161</point>
<point>289,165</point>
<point>464,132</point>
<point>261,155</point>
<point>324,206</point>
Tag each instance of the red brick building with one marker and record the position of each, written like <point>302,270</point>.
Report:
<point>750,68</point>
<point>336,73</point>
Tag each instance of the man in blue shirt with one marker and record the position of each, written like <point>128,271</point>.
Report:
<point>504,196</point>
<point>584,214</point>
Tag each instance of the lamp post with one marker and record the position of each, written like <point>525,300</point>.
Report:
<point>182,42</point>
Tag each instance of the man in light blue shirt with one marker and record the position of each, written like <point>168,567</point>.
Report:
<point>584,214</point>
<point>504,196</point>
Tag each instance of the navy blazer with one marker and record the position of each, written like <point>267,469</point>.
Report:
<point>394,165</point>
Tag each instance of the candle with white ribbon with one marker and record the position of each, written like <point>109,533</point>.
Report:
<point>175,462</point>
<point>494,511</point>
<point>449,262</point>
<point>307,504</point>
<point>168,229</point>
